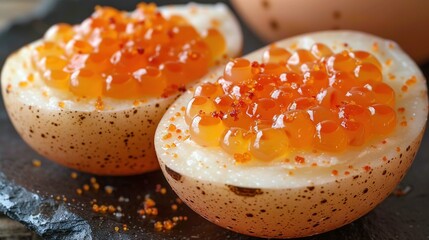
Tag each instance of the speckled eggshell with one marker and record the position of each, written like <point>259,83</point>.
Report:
<point>292,199</point>
<point>106,136</point>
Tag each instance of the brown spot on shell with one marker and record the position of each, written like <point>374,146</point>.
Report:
<point>336,14</point>
<point>175,175</point>
<point>245,192</point>
<point>265,4</point>
<point>274,25</point>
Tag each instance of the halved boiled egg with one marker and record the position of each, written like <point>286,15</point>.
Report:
<point>90,96</point>
<point>297,138</point>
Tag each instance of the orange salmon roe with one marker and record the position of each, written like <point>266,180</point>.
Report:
<point>305,100</point>
<point>126,55</point>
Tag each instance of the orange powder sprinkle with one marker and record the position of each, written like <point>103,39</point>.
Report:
<point>411,81</point>
<point>8,88</point>
<point>242,158</point>
<point>334,172</point>
<point>171,127</point>
<point>299,159</point>
<point>401,110</point>
<point>388,62</point>
<point>30,77</point>
<point>167,136</point>
<point>37,163</point>
<point>99,105</point>
<point>375,46</point>
<point>215,23</point>
<point>404,88</point>
<point>23,84</point>
<point>367,168</point>
<point>61,104</point>
<point>404,123</point>
<point>73,175</point>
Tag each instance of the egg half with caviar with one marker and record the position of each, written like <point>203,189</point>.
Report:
<point>90,96</point>
<point>298,138</point>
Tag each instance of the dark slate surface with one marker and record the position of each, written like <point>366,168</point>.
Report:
<point>45,198</point>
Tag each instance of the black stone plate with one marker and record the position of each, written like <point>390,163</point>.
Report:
<point>45,198</point>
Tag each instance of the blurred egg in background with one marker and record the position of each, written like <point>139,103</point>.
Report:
<point>406,22</point>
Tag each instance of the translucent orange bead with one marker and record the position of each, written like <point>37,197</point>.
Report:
<point>342,81</point>
<point>86,83</point>
<point>183,34</point>
<point>368,72</point>
<point>356,121</point>
<point>273,68</point>
<point>49,49</point>
<point>330,136</point>
<point>151,81</point>
<point>284,95</point>
<point>383,119</point>
<point>302,103</point>
<point>199,105</point>
<point>292,79</point>
<point>317,79</point>
<point>298,127</point>
<point>238,118</point>
<point>114,86</point>
<point>52,63</point>
<point>209,90</point>
<point>216,43</point>
<point>359,95</point>
<point>269,144</point>
<point>57,79</point>
<point>98,62</point>
<point>384,94</point>
<point>264,85</point>
<point>366,57</point>
<point>275,55</point>
<point>197,61</point>
<point>320,50</point>
<point>341,62</point>
<point>238,70</point>
<point>108,46</point>
<point>331,98</point>
<point>355,131</point>
<point>264,109</point>
<point>206,130</point>
<point>235,140</point>
<point>223,103</point>
<point>174,73</point>
<point>298,58</point>
<point>78,46</point>
<point>319,113</point>
<point>61,32</point>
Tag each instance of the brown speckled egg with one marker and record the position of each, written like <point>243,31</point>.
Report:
<point>103,136</point>
<point>286,200</point>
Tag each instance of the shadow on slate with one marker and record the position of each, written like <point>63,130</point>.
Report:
<point>45,199</point>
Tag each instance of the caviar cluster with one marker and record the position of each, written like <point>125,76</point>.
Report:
<point>126,55</point>
<point>311,99</point>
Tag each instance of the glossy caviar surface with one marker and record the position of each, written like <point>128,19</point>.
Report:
<point>307,100</point>
<point>126,55</point>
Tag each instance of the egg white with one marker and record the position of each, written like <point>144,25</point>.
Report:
<point>117,140</point>
<point>289,193</point>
